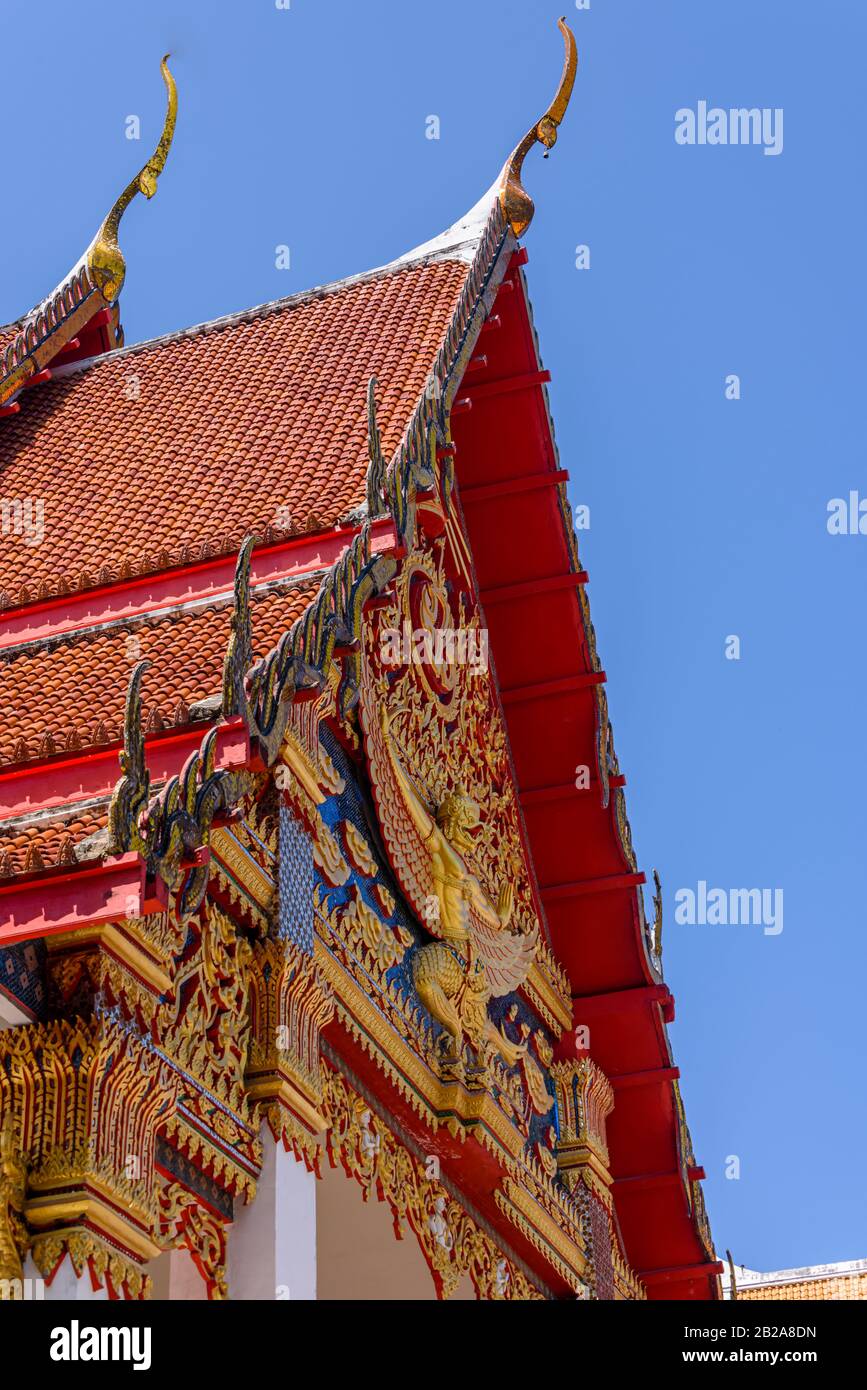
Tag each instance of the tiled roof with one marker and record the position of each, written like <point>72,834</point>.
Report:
<point>70,693</point>
<point>46,841</point>
<point>853,1287</point>
<point>212,433</point>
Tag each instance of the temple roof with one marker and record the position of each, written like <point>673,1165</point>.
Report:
<point>154,462</point>
<point>843,1280</point>
<point>251,421</point>
<point>63,693</point>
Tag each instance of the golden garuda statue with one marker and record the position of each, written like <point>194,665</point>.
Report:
<point>476,956</point>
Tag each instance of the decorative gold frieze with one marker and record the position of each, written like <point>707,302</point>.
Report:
<point>585,1099</point>
<point>13,1180</point>
<point>186,1223</point>
<point>451,1242</point>
<point>290,1004</point>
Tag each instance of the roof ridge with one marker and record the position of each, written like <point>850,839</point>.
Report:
<point>432,254</point>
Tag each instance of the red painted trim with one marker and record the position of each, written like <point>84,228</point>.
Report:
<point>566,686</point>
<point>656,1276</point>
<point>66,900</point>
<point>504,593</point>
<point>154,593</point>
<point>613,979</point>
<point>527,482</point>
<point>610,883</point>
<point>509,384</point>
<point>563,791</point>
<point>66,781</point>
<point>645,1182</point>
<point>37,379</point>
<point>654,1076</point>
<point>620,1000</point>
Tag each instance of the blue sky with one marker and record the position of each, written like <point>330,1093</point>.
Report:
<point>306,127</point>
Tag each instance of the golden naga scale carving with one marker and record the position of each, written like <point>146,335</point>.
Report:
<point>515,201</point>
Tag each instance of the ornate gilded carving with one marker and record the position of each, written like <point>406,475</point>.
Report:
<point>425,689</point>
<point>87,1254</point>
<point>377,944</point>
<point>204,1024</point>
<point>89,1097</point>
<point>514,199</point>
<point>185,1223</point>
<point>451,1242</point>
<point>302,658</point>
<point>692,1186</point>
<point>290,1004</point>
<point>13,1180</point>
<point>359,851</point>
<point>585,1099</point>
<point>171,829</point>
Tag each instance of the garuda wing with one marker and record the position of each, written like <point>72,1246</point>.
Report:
<point>403,816</point>
<point>507,956</point>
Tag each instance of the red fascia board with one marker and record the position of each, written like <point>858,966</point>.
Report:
<point>533,588</point>
<point>564,791</point>
<point>581,888</point>
<point>637,1010</point>
<point>622,1000</point>
<point>654,1076</point>
<point>681,1272</point>
<point>512,487</point>
<point>64,781</point>
<point>153,593</point>
<point>524,381</point>
<point>68,899</point>
<point>567,685</point>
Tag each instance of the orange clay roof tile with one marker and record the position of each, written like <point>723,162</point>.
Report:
<point>46,842</point>
<point>207,435</point>
<point>78,686</point>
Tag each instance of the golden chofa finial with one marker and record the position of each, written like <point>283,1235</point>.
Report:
<point>514,198</point>
<point>104,257</point>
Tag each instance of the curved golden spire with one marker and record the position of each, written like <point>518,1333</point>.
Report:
<point>104,258</point>
<point>514,198</point>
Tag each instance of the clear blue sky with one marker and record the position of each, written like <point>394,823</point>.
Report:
<point>708,516</point>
